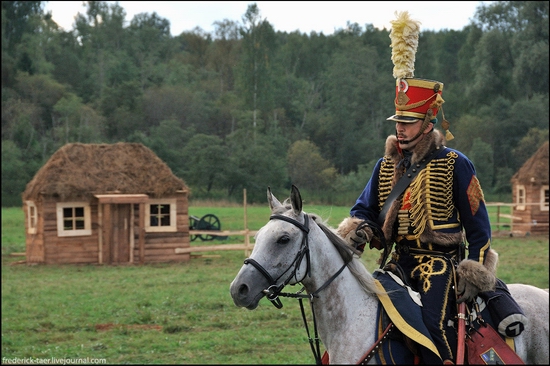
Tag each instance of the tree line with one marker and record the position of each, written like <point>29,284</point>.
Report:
<point>248,106</point>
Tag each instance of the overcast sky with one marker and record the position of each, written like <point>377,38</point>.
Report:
<point>286,16</point>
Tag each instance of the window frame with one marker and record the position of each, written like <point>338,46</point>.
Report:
<point>520,197</point>
<point>61,231</point>
<point>172,214</point>
<point>544,198</point>
<point>32,217</point>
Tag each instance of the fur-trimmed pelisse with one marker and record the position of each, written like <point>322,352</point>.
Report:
<point>349,224</point>
<point>482,276</point>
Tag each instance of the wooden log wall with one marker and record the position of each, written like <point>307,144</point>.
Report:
<point>69,249</point>
<point>160,246</point>
<point>532,219</point>
<point>34,243</point>
<point>47,247</point>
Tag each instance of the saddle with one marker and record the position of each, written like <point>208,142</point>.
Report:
<point>492,310</point>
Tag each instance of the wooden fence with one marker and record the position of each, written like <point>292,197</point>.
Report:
<point>247,246</point>
<point>504,226</point>
<point>508,224</point>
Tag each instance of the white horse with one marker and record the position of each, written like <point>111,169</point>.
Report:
<point>296,247</point>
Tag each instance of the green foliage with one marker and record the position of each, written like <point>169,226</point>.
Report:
<point>111,79</point>
<point>356,181</point>
<point>14,176</point>
<point>502,181</point>
<point>18,20</point>
<point>529,144</point>
<point>255,162</point>
<point>255,72</point>
<point>307,168</point>
<point>206,161</point>
<point>482,157</point>
<point>76,122</point>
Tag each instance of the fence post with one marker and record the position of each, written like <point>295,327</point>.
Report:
<point>512,219</point>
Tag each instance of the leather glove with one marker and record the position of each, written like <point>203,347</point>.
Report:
<point>357,238</point>
<point>466,290</point>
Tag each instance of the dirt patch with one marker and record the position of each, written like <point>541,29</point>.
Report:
<point>111,326</point>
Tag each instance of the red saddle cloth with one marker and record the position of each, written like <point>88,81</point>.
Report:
<point>486,347</point>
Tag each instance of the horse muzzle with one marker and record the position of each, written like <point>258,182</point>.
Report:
<point>245,290</point>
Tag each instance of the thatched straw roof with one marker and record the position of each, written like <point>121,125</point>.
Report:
<point>535,167</point>
<point>82,170</point>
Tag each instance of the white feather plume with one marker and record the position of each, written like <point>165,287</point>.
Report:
<point>404,42</point>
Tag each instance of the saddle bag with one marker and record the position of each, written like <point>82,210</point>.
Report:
<point>506,314</point>
<point>486,347</point>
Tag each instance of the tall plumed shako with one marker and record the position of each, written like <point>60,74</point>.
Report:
<point>404,42</point>
<point>415,99</point>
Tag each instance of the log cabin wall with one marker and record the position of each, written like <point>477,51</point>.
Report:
<point>34,240</point>
<point>69,249</point>
<point>530,218</point>
<point>530,194</point>
<point>160,246</point>
<point>46,246</point>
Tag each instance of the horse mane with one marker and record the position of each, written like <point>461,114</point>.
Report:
<point>356,267</point>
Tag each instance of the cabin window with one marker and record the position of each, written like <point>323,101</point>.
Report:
<point>73,219</point>
<point>544,198</point>
<point>32,217</point>
<point>160,215</point>
<point>520,197</point>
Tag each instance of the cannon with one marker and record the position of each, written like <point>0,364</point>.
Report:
<point>208,222</point>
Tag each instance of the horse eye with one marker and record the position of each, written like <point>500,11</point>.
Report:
<point>283,239</point>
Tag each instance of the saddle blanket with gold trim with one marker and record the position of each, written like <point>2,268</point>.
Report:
<point>401,307</point>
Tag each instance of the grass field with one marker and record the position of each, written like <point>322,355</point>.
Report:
<point>176,313</point>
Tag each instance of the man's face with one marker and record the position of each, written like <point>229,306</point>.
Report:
<point>406,132</point>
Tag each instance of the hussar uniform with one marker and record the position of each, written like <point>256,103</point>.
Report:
<point>441,211</point>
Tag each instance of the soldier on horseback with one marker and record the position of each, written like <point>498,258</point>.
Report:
<point>427,199</point>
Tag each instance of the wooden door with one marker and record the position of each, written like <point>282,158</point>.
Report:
<point>120,234</point>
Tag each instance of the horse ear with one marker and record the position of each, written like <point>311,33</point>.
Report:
<point>296,200</point>
<point>273,202</point>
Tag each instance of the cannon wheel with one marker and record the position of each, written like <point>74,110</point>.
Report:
<point>208,222</point>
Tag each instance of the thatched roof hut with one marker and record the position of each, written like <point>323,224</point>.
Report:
<point>101,203</point>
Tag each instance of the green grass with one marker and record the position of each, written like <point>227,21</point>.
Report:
<point>13,230</point>
<point>176,313</point>
<point>61,311</point>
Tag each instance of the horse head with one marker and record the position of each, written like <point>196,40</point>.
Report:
<point>280,256</point>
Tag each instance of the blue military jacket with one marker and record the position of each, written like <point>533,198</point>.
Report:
<point>443,201</point>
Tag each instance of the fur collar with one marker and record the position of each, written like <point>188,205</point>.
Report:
<point>428,143</point>
<point>424,147</point>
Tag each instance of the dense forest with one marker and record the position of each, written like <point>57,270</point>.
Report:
<point>250,107</point>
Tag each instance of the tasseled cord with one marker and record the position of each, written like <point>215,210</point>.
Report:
<point>445,125</point>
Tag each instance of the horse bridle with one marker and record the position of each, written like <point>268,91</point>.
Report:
<point>274,291</point>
